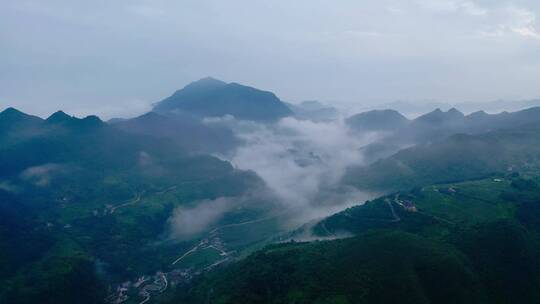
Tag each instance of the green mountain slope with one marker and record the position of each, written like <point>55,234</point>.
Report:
<point>385,267</point>
<point>188,131</point>
<point>469,242</point>
<point>88,205</point>
<point>456,158</point>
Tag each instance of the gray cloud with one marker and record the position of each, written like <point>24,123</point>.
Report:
<point>186,222</point>
<point>42,175</point>
<point>8,186</point>
<point>301,162</point>
<point>115,58</point>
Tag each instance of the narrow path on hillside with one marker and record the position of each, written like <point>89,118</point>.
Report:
<point>132,202</point>
<point>394,214</point>
<point>207,242</point>
<point>241,224</point>
<point>440,219</point>
<point>192,250</point>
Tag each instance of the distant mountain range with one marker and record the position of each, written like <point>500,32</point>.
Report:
<point>449,146</point>
<point>210,97</point>
<point>413,109</point>
<point>438,124</point>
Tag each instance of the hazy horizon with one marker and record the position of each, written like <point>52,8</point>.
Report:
<point>116,59</point>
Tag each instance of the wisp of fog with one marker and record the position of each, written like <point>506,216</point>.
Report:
<point>301,161</point>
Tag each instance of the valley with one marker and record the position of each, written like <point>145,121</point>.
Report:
<point>115,213</point>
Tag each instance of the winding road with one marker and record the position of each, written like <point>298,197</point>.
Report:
<point>131,202</point>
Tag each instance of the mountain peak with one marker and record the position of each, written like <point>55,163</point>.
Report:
<point>209,97</point>
<point>92,120</point>
<point>59,117</point>
<point>439,116</point>
<point>206,83</point>
<point>383,120</point>
<point>454,111</point>
<point>478,114</point>
<point>11,115</point>
<point>210,79</point>
<point>11,112</point>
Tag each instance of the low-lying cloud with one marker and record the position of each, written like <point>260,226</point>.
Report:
<point>41,175</point>
<point>8,186</point>
<point>187,222</point>
<point>301,161</point>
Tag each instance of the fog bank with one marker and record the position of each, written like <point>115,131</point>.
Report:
<point>302,162</point>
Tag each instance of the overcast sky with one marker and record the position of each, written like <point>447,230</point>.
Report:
<point>115,58</point>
